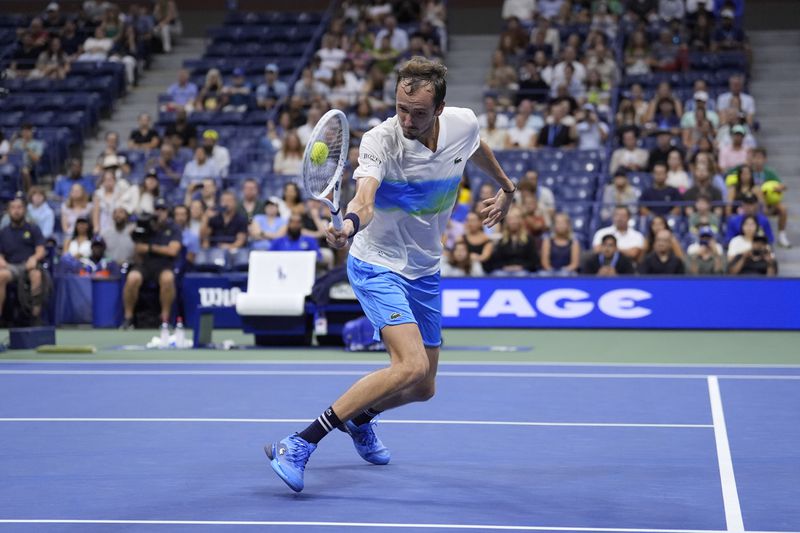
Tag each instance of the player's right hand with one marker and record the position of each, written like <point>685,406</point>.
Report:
<point>338,238</point>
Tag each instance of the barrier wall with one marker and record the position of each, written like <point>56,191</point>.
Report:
<point>629,303</point>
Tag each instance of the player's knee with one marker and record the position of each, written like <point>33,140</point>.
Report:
<point>412,372</point>
<point>425,390</point>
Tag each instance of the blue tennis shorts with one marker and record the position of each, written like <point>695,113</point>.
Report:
<point>389,299</point>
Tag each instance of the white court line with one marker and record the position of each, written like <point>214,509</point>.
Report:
<point>415,422</point>
<point>730,495</point>
<point>483,527</point>
<point>447,373</point>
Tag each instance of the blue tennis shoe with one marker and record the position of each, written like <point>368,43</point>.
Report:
<point>288,459</point>
<point>367,443</point>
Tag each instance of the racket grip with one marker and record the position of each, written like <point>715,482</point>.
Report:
<point>336,219</point>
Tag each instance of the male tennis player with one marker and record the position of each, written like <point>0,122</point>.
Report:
<point>409,168</point>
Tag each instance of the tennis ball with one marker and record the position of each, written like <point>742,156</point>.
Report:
<point>319,152</point>
<point>771,193</point>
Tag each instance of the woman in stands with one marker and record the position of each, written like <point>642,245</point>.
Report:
<point>266,226</point>
<point>168,27</point>
<point>146,195</point>
<point>210,97</point>
<point>291,201</point>
<point>197,209</point>
<point>362,119</point>
<point>515,254</point>
<point>561,253</point>
<point>459,263</point>
<point>79,246</point>
<point>479,245</point>
<point>52,63</point>
<point>289,159</point>
<point>77,205</point>
<point>744,241</point>
<point>676,173</point>
<point>741,183</point>
<point>658,223</point>
<point>39,210</point>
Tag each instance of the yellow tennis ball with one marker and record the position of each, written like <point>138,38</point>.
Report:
<point>319,152</point>
<point>771,193</point>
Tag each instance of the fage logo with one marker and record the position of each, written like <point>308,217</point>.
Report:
<point>563,303</point>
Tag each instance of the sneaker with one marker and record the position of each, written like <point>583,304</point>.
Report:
<point>127,324</point>
<point>288,459</point>
<point>367,443</point>
<point>783,241</point>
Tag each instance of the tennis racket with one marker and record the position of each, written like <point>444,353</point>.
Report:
<point>324,159</point>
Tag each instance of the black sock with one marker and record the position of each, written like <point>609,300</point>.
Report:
<point>365,416</point>
<point>324,424</point>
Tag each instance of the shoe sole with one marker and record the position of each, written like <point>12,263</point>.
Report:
<point>276,467</point>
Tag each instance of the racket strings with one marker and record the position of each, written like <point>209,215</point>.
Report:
<point>318,176</point>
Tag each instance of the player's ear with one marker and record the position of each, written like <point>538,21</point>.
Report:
<point>439,109</point>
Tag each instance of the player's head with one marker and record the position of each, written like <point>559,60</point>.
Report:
<point>420,91</point>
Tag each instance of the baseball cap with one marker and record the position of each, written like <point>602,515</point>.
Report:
<point>211,134</point>
<point>727,13</point>
<point>588,107</point>
<point>701,95</point>
<point>749,198</point>
<point>151,172</point>
<point>82,218</point>
<point>238,71</point>
<point>705,231</point>
<point>739,129</point>
<point>98,240</point>
<point>272,67</point>
<point>160,203</point>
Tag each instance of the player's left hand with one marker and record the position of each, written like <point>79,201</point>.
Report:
<point>495,209</point>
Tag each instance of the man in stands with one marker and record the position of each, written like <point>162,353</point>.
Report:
<point>32,150</point>
<point>607,260</point>
<point>21,250</point>
<point>74,175</point>
<point>182,132</point>
<point>294,240</point>
<point>218,154</point>
<point>251,204</point>
<point>629,241</point>
<point>199,169</point>
<point>736,86</point>
<point>560,129</point>
<point>156,252</point>
<point>757,261</point>
<point>144,137</point>
<point>703,187</point>
<point>119,245</point>
<point>273,91</point>
<point>398,37</point>
<point>226,229</point>
<point>629,156</point>
<point>661,193</point>
<point>764,175</point>
<point>182,93</point>
<point>662,260</point>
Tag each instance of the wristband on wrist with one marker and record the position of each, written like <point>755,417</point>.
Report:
<point>352,217</point>
<point>512,191</point>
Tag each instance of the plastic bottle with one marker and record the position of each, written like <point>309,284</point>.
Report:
<point>164,334</point>
<point>180,334</point>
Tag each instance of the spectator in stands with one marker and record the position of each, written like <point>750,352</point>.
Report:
<point>628,156</point>
<point>312,117</point>
<point>398,37</point>
<point>144,137</point>
<point>502,80</point>
<point>251,204</point>
<point>289,159</point>
<point>703,187</point>
<point>592,132</point>
<point>732,118</point>
<point>167,169</point>
<point>210,96</point>
<point>458,262</point>
<point>308,88</point>
<point>669,10</point>
<point>660,192</point>
<point>736,90</point>
<point>25,55</point>
<point>569,57</point>
<point>490,105</point>
<point>237,93</point>
<point>561,252</point>
<point>619,193</point>
<point>99,48</point>
<point>216,153</point>
<point>520,136</point>
<point>544,195</point>
<point>728,37</point>
<point>146,194</point>
<point>226,229</point>
<point>181,133</point>
<point>111,193</point>
<point>665,117</point>
<point>40,212</point>
<point>677,176</point>
<point>705,256</point>
<point>273,91</point>
<point>495,137</point>
<point>662,260</point>
<point>758,260</point>
<point>661,150</point>
<point>479,245</point>
<point>749,208</point>
<point>536,220</point>
<point>665,52</point>
<point>741,183</point>
<point>768,178</point>
<point>5,148</point>
<point>266,227</point>
<point>119,244</point>
<point>111,148</point>
<point>654,226</point>
<point>629,241</point>
<point>70,39</point>
<point>53,63</point>
<point>559,131</point>
<point>654,106</point>
<point>363,119</point>
<point>532,86</point>
<point>182,93</point>
<point>197,210</point>
<point>294,241</point>
<point>74,175</point>
<point>32,150</point>
<point>595,91</point>
<point>76,205</point>
<point>570,87</point>
<point>198,169</point>
<point>515,253</point>
<point>154,261</point>
<point>331,53</point>
<point>607,260</point>
<point>168,23</point>
<point>689,120</point>
<point>21,251</point>
<point>702,216</point>
<point>189,239</point>
<point>52,19</point>
<point>638,57</point>
<point>79,244</point>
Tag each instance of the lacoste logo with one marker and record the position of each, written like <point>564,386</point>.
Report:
<point>281,451</point>
<point>458,160</point>
<point>394,315</point>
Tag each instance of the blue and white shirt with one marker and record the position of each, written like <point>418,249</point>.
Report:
<point>417,192</point>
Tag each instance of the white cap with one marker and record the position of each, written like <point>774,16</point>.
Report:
<point>701,95</point>
<point>52,6</point>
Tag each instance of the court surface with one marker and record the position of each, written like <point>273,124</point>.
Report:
<point>167,445</point>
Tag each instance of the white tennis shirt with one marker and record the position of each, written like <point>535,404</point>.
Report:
<point>416,194</point>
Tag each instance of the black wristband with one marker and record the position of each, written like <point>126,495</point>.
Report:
<point>512,191</point>
<point>356,223</point>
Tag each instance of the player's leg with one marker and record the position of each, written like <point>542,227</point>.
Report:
<point>166,293</point>
<point>419,392</point>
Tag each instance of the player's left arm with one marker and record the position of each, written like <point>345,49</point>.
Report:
<point>494,209</point>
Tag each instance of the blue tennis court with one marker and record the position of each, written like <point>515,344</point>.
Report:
<point>127,446</point>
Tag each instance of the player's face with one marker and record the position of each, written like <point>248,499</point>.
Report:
<point>416,112</point>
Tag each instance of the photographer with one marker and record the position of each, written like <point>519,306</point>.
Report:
<point>757,261</point>
<point>706,256</point>
<point>158,243</point>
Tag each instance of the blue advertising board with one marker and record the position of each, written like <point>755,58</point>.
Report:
<point>537,302</point>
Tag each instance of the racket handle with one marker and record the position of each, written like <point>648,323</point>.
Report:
<point>336,219</point>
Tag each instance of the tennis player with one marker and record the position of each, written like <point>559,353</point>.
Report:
<point>409,169</point>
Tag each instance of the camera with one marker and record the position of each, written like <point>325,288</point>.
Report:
<point>144,229</point>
